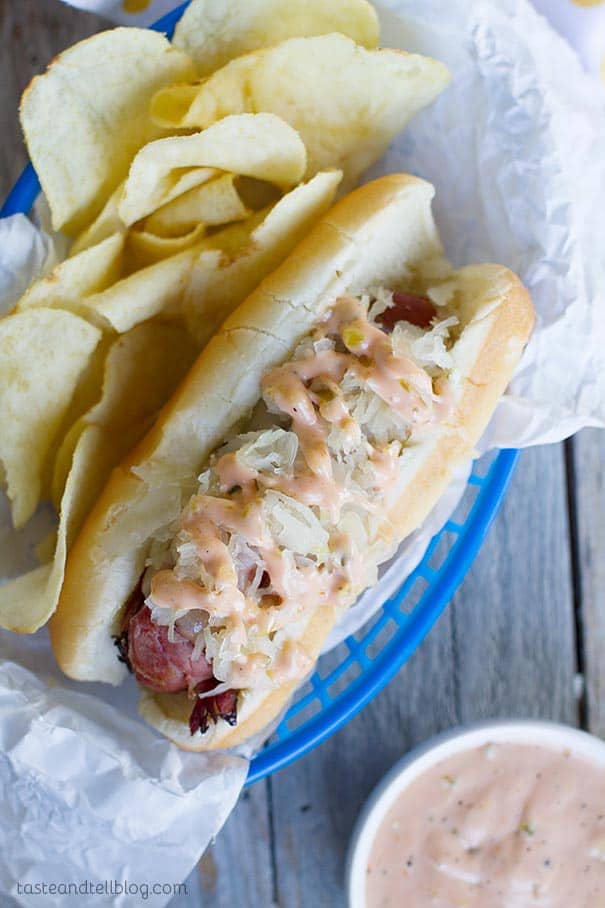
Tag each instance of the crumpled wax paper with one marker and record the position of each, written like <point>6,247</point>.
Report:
<point>88,796</point>
<point>515,148</point>
<point>582,22</point>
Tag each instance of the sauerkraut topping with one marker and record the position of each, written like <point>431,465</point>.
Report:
<point>292,516</point>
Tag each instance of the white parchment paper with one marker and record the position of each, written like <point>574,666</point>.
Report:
<point>515,148</point>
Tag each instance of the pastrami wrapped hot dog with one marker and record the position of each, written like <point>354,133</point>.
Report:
<point>316,431</point>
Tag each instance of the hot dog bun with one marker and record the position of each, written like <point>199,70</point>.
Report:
<point>383,233</point>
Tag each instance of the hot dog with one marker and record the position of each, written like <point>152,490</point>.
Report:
<point>316,430</point>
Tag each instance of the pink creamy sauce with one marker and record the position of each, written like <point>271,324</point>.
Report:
<point>500,826</point>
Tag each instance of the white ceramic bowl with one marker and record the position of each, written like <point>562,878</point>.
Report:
<point>417,761</point>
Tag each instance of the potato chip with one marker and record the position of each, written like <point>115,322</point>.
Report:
<point>214,32</point>
<point>213,204</point>
<point>188,179</point>
<point>346,102</point>
<point>155,290</point>
<point>88,272</point>
<point>97,273</point>
<point>178,103</point>
<point>86,117</point>
<point>62,461</point>
<point>23,600</point>
<point>45,549</point>
<point>182,223</point>
<point>146,248</point>
<point>107,223</point>
<point>43,352</point>
<point>223,277</point>
<point>159,289</point>
<point>255,145</point>
<point>27,602</point>
<point>234,238</point>
<point>109,220</point>
<point>142,368</point>
<point>86,394</point>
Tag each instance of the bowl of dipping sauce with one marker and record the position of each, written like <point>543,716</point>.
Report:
<point>508,814</point>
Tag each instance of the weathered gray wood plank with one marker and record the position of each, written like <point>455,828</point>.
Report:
<point>505,647</point>
<point>237,869</point>
<point>589,476</point>
<point>513,618</point>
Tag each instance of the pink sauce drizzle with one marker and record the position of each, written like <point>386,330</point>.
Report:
<point>307,390</point>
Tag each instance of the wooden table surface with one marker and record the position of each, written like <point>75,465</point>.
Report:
<point>523,637</point>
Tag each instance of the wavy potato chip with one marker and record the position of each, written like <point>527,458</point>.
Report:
<point>43,352</point>
<point>62,464</point>
<point>28,601</point>
<point>223,277</point>
<point>23,600</point>
<point>346,102</point>
<point>88,272</point>
<point>213,32</point>
<point>142,369</point>
<point>213,204</point>
<point>182,222</point>
<point>86,117</point>
<point>45,549</point>
<point>91,279</point>
<point>254,248</point>
<point>106,224</point>
<point>86,394</point>
<point>146,248</point>
<point>183,182</point>
<point>255,145</point>
<point>155,290</point>
<point>162,288</point>
<point>109,220</point>
<point>234,238</point>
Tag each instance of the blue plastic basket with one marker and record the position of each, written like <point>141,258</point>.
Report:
<point>351,675</point>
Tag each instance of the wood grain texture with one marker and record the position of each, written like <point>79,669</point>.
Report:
<point>233,872</point>
<point>513,617</point>
<point>588,471</point>
<point>505,647</point>
<point>237,869</point>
